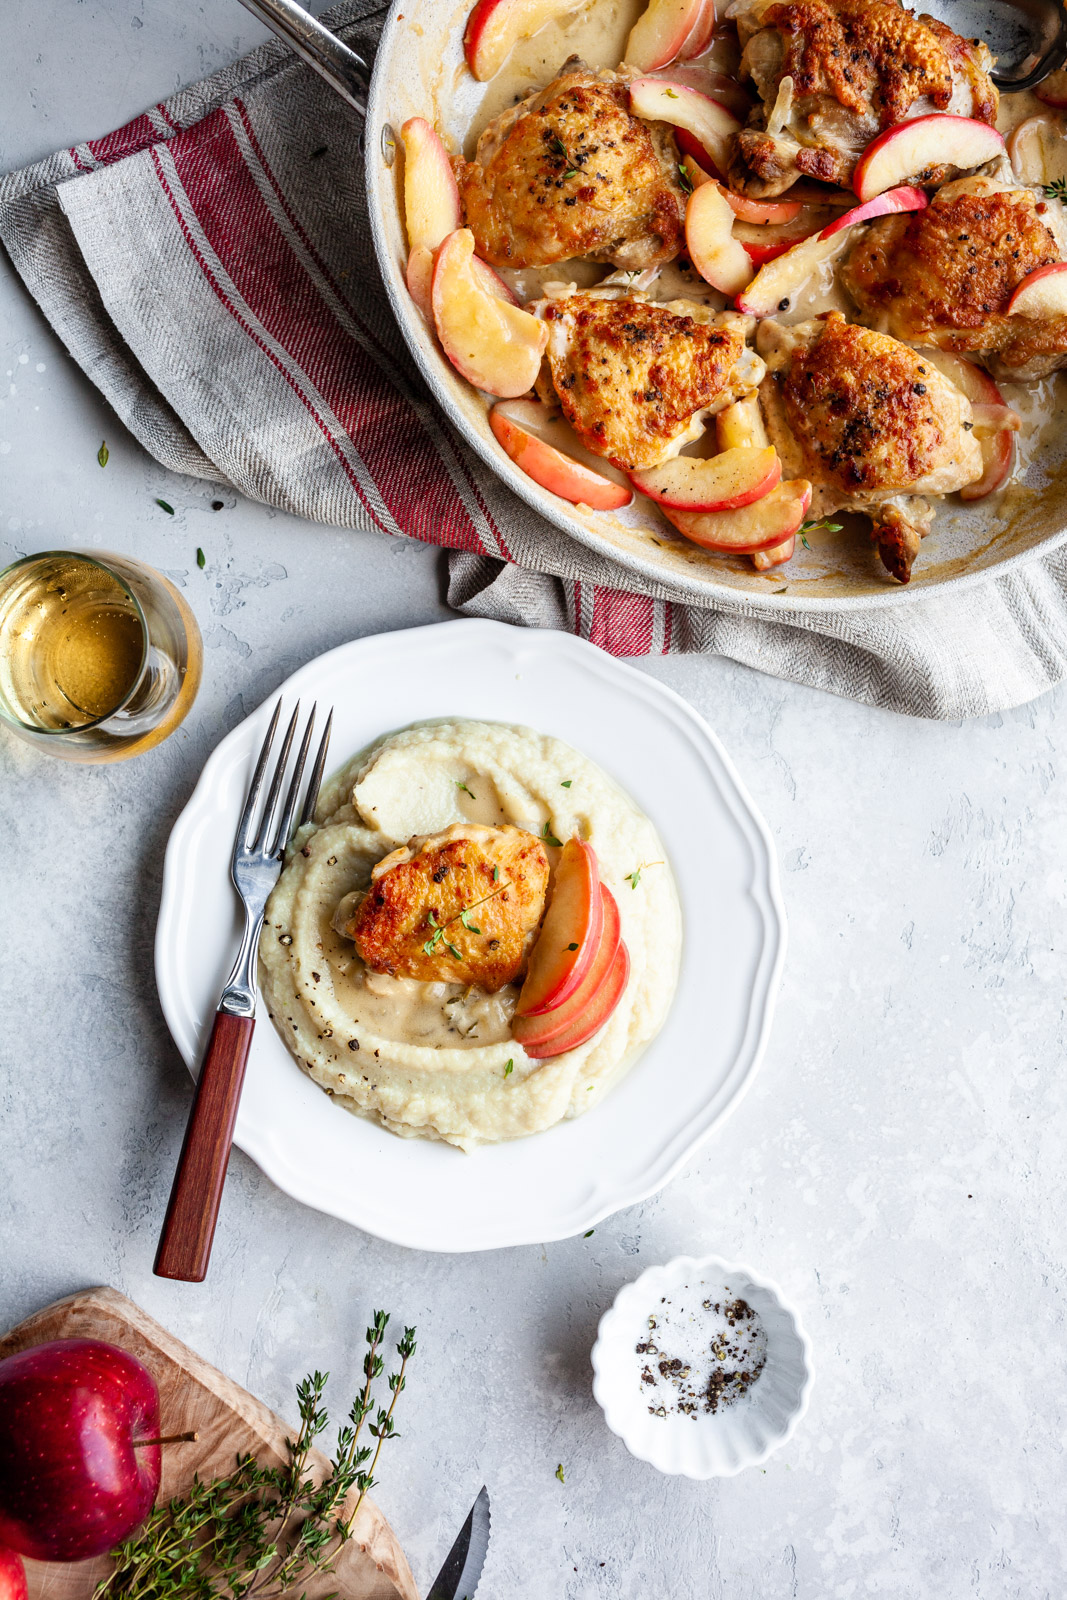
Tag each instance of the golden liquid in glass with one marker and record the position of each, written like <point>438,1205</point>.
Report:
<point>72,645</point>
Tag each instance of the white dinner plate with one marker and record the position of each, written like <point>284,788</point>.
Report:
<point>551,1185</point>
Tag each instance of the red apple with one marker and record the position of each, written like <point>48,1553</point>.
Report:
<point>692,150</point>
<point>494,27</point>
<point>759,526</point>
<point>724,482</point>
<point>700,35</point>
<point>994,420</point>
<point>74,1479</point>
<point>917,148</point>
<point>776,285</point>
<point>12,1576</point>
<point>534,1031</point>
<point>776,556</point>
<point>762,211</point>
<point>662,31</point>
<point>431,195</point>
<point>710,123</point>
<point>1053,89</point>
<point>767,244</point>
<point>570,932</point>
<point>1038,150</point>
<point>590,1021</point>
<point>495,345</point>
<point>553,470</point>
<point>709,241</point>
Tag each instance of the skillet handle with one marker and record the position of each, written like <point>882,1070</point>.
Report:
<point>343,70</point>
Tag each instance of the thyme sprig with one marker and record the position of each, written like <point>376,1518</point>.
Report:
<point>261,1531</point>
<point>439,928</point>
<point>1057,189</point>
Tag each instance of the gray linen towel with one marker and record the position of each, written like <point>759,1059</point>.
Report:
<point>210,266</point>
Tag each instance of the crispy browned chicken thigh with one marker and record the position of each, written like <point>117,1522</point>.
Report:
<point>636,379</point>
<point>944,276</point>
<point>572,172</point>
<point>873,425</point>
<point>832,74</point>
<point>461,906</point>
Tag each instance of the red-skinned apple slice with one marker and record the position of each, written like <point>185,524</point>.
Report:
<point>759,526</point>
<point>700,36</point>
<point>910,149</point>
<point>495,27</point>
<point>1038,150</point>
<point>531,1031</point>
<point>1042,293</point>
<point>431,196</point>
<point>767,244</point>
<point>709,122</point>
<point>1053,90</point>
<point>495,345</point>
<point>592,1019</point>
<point>420,279</point>
<point>553,470</point>
<point>570,932</point>
<point>723,482</point>
<point>13,1584</point>
<point>994,420</point>
<point>776,285</point>
<point>709,241</point>
<point>776,556</point>
<point>661,32</point>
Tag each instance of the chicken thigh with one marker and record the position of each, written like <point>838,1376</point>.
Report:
<point>460,906</point>
<point>572,172</point>
<point>873,425</point>
<point>944,276</point>
<point>636,379</point>
<point>832,74</point>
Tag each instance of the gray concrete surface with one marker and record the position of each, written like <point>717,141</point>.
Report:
<point>898,1166</point>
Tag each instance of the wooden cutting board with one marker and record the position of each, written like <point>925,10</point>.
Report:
<point>193,1394</point>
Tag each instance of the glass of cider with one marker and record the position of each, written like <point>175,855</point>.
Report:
<point>100,657</point>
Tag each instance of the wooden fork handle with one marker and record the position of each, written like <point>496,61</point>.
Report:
<point>189,1227</point>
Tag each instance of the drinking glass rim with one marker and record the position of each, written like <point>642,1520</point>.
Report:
<point>93,560</point>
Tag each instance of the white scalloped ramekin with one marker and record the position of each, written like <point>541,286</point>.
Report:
<point>712,1445</point>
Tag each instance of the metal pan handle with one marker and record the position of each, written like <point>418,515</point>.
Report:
<point>343,70</point>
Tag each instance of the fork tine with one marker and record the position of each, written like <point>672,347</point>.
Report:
<point>311,799</point>
<point>244,836</point>
<point>270,805</point>
<point>285,827</point>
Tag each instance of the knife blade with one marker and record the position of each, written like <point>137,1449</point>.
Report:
<point>459,1577</point>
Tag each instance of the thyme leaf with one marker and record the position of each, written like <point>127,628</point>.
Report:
<point>1057,189</point>
<point>683,177</point>
<point>813,524</point>
<point>509,1068</point>
<point>549,837</point>
<point>559,1473</point>
<point>165,507</point>
<point>201,559</point>
<point>103,454</point>
<point>566,783</point>
<point>463,786</point>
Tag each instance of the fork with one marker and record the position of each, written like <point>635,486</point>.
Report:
<point>258,852</point>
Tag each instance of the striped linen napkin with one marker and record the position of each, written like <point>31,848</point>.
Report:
<point>211,268</point>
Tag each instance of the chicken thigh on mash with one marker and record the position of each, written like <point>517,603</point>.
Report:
<point>571,172</point>
<point>636,379</point>
<point>944,276</point>
<point>873,425</point>
<point>832,74</point>
<point>461,906</point>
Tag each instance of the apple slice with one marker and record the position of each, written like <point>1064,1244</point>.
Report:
<point>531,1031</point>
<point>725,482</point>
<point>700,36</point>
<point>553,470</point>
<point>495,345</point>
<point>759,526</point>
<point>495,27</point>
<point>994,420</point>
<point>420,279</point>
<point>709,241</point>
<point>661,32</point>
<point>762,211</point>
<point>767,244</point>
<point>589,1021</point>
<point>431,196</point>
<point>1053,89</point>
<point>1042,293</point>
<point>777,283</point>
<point>740,426</point>
<point>776,556</point>
<point>917,148</point>
<point>570,932</point>
<point>1038,150</point>
<point>709,122</point>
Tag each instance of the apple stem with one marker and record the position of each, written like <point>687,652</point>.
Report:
<point>171,1438</point>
